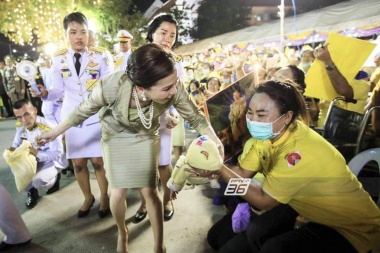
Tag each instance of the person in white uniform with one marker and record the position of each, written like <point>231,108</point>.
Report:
<point>52,109</point>
<point>75,72</point>
<point>125,44</point>
<point>29,126</point>
<point>16,234</point>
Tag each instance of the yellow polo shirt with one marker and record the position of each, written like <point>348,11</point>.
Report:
<point>308,173</point>
<point>360,88</point>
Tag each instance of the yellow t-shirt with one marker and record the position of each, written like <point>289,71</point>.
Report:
<point>375,77</point>
<point>360,88</point>
<point>305,171</point>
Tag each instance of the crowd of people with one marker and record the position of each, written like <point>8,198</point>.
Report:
<point>126,115</point>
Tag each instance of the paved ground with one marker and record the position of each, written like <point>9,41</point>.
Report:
<point>55,228</point>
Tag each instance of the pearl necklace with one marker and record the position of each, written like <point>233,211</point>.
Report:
<point>147,122</point>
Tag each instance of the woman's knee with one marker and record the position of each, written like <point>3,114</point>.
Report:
<point>98,165</point>
<point>80,165</point>
<point>118,194</point>
<point>150,193</point>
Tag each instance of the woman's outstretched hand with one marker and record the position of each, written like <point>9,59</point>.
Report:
<point>45,137</point>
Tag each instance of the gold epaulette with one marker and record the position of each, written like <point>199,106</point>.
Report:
<point>103,48</point>
<point>43,127</point>
<point>60,52</point>
<point>18,124</point>
<point>98,50</point>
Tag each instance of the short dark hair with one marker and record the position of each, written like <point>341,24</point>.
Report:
<point>196,82</point>
<point>157,21</point>
<point>149,64</point>
<point>74,17</point>
<point>20,103</point>
<point>298,76</point>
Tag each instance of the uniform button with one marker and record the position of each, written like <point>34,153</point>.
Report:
<point>80,94</point>
<point>78,83</point>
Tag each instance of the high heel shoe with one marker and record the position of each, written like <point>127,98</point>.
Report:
<point>168,214</point>
<point>82,214</point>
<point>104,213</point>
<point>139,216</point>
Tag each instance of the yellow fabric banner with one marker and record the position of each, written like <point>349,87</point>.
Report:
<point>348,54</point>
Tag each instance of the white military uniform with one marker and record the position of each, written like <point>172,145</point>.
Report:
<point>48,155</point>
<point>52,112</point>
<point>121,60</point>
<point>50,109</point>
<point>11,223</point>
<point>82,141</point>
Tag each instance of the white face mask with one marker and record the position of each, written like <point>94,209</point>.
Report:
<point>205,71</point>
<point>306,65</point>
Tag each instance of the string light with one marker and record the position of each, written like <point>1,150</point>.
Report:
<point>36,23</point>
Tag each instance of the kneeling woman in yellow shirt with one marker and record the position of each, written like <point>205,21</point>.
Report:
<point>304,175</point>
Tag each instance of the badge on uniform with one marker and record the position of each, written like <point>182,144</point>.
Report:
<point>92,69</point>
<point>293,158</point>
<point>65,73</point>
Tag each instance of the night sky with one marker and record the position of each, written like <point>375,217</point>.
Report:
<point>301,6</point>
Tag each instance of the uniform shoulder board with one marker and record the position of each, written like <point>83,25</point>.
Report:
<point>103,48</point>
<point>60,52</point>
<point>43,127</point>
<point>97,50</point>
<point>18,124</point>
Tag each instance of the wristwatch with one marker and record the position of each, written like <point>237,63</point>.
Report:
<point>330,67</point>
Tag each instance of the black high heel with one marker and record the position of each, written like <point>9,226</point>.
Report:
<point>82,214</point>
<point>102,214</point>
<point>168,214</point>
<point>139,216</point>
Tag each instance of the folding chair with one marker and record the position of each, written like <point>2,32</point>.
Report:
<point>366,166</point>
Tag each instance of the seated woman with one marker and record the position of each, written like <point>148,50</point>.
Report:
<point>304,175</point>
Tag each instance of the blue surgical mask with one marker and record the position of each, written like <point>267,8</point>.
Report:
<point>263,130</point>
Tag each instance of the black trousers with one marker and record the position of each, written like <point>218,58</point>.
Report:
<point>7,104</point>
<point>273,232</point>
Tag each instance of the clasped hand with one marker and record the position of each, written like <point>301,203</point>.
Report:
<point>45,137</point>
<point>33,150</point>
